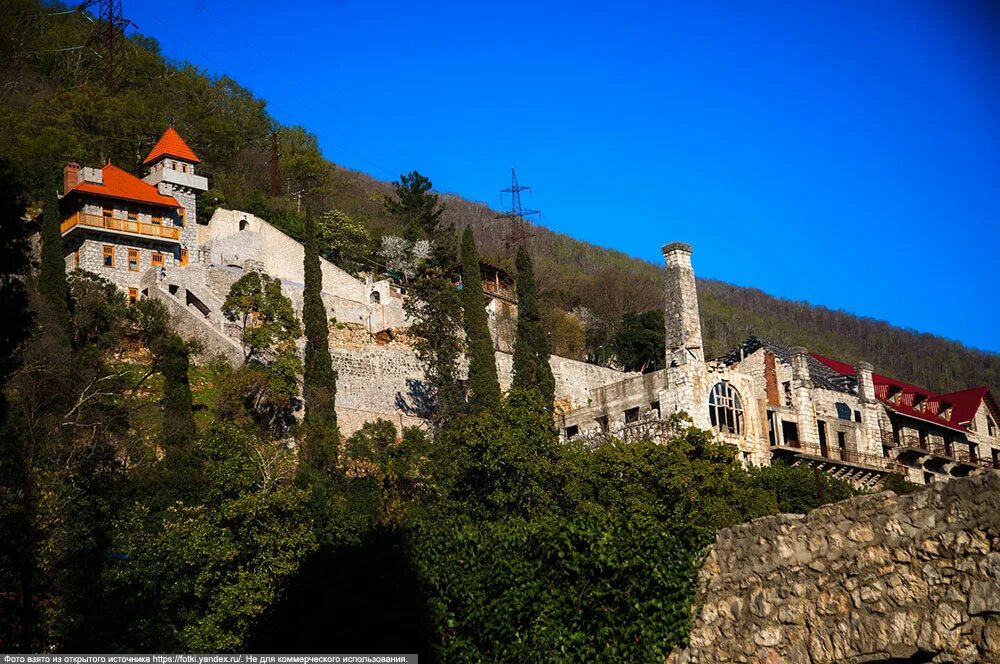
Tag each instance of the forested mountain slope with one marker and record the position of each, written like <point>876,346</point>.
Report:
<point>56,108</point>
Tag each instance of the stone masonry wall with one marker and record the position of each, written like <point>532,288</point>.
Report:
<point>879,578</point>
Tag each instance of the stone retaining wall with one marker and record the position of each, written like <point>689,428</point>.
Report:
<point>880,578</point>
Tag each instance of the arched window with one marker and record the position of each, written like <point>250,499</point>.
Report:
<point>376,297</point>
<point>726,408</point>
<point>243,223</point>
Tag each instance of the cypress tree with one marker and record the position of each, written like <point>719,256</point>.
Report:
<point>52,274</point>
<point>178,420</point>
<point>531,348</point>
<point>483,385</point>
<point>322,437</point>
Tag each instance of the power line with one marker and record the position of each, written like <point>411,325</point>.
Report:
<point>518,232</point>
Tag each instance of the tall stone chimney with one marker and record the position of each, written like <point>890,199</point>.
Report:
<point>71,176</point>
<point>686,376</point>
<point>805,414</point>
<point>870,440</point>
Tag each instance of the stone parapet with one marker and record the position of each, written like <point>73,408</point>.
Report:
<point>873,579</point>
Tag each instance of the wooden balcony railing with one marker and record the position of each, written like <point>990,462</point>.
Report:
<point>166,232</point>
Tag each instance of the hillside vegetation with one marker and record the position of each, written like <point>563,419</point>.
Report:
<point>55,108</point>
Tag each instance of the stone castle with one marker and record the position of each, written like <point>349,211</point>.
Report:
<point>766,400</point>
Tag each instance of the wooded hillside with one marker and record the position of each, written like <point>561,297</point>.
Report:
<point>56,108</point>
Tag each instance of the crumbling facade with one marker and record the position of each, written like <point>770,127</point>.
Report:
<point>770,401</point>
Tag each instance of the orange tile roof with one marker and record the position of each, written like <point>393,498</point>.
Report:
<point>171,145</point>
<point>123,185</point>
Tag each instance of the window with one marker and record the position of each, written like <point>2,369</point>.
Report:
<point>109,255</point>
<point>602,422</point>
<point>632,415</point>
<point>787,387</point>
<point>790,433</point>
<point>133,260</point>
<point>821,428</point>
<point>857,416</point>
<point>973,453</point>
<point>572,432</point>
<point>184,257</point>
<point>133,295</point>
<point>923,439</point>
<point>157,219</point>
<point>157,259</point>
<point>655,407</point>
<point>842,445</point>
<point>108,212</point>
<point>991,426</point>
<point>376,297</point>
<point>726,408</point>
<point>133,214</point>
<point>843,410</point>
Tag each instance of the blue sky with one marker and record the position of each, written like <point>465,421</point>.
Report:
<point>846,154</point>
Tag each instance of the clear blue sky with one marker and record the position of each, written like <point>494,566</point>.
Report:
<point>847,153</point>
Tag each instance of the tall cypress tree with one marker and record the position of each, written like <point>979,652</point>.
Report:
<point>531,348</point>
<point>178,420</point>
<point>52,275</point>
<point>322,438</point>
<point>483,385</point>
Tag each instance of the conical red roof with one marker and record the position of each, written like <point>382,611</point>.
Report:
<point>171,145</point>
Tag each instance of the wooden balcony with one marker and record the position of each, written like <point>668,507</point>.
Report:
<point>166,232</point>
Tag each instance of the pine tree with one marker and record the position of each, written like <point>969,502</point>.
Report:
<point>322,437</point>
<point>52,275</point>
<point>483,385</point>
<point>433,304</point>
<point>178,420</point>
<point>531,348</point>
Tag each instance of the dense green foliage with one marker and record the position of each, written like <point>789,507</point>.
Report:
<point>483,384</point>
<point>531,346</point>
<point>178,420</point>
<point>319,382</point>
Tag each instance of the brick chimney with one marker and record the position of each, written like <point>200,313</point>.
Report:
<point>71,176</point>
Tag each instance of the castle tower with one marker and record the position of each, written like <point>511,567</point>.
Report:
<point>172,171</point>
<point>687,381</point>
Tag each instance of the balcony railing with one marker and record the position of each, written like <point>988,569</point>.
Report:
<point>840,456</point>
<point>165,232</point>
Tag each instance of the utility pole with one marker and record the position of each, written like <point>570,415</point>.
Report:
<point>275,163</point>
<point>518,232</point>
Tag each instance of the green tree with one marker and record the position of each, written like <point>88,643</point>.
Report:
<point>52,272</point>
<point>343,240</point>
<point>433,304</point>
<point>178,418</point>
<point>415,208</point>
<point>266,319</point>
<point>322,439</point>
<point>639,344</point>
<point>99,310</point>
<point>531,348</point>
<point>393,466</point>
<point>483,384</point>
<point>199,575</point>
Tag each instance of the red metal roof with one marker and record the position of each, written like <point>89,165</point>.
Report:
<point>125,186</point>
<point>171,145</point>
<point>963,403</point>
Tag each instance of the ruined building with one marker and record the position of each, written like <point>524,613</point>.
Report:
<point>766,400</point>
<point>770,401</point>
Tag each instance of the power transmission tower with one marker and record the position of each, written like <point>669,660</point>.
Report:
<point>518,232</point>
<point>108,38</point>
